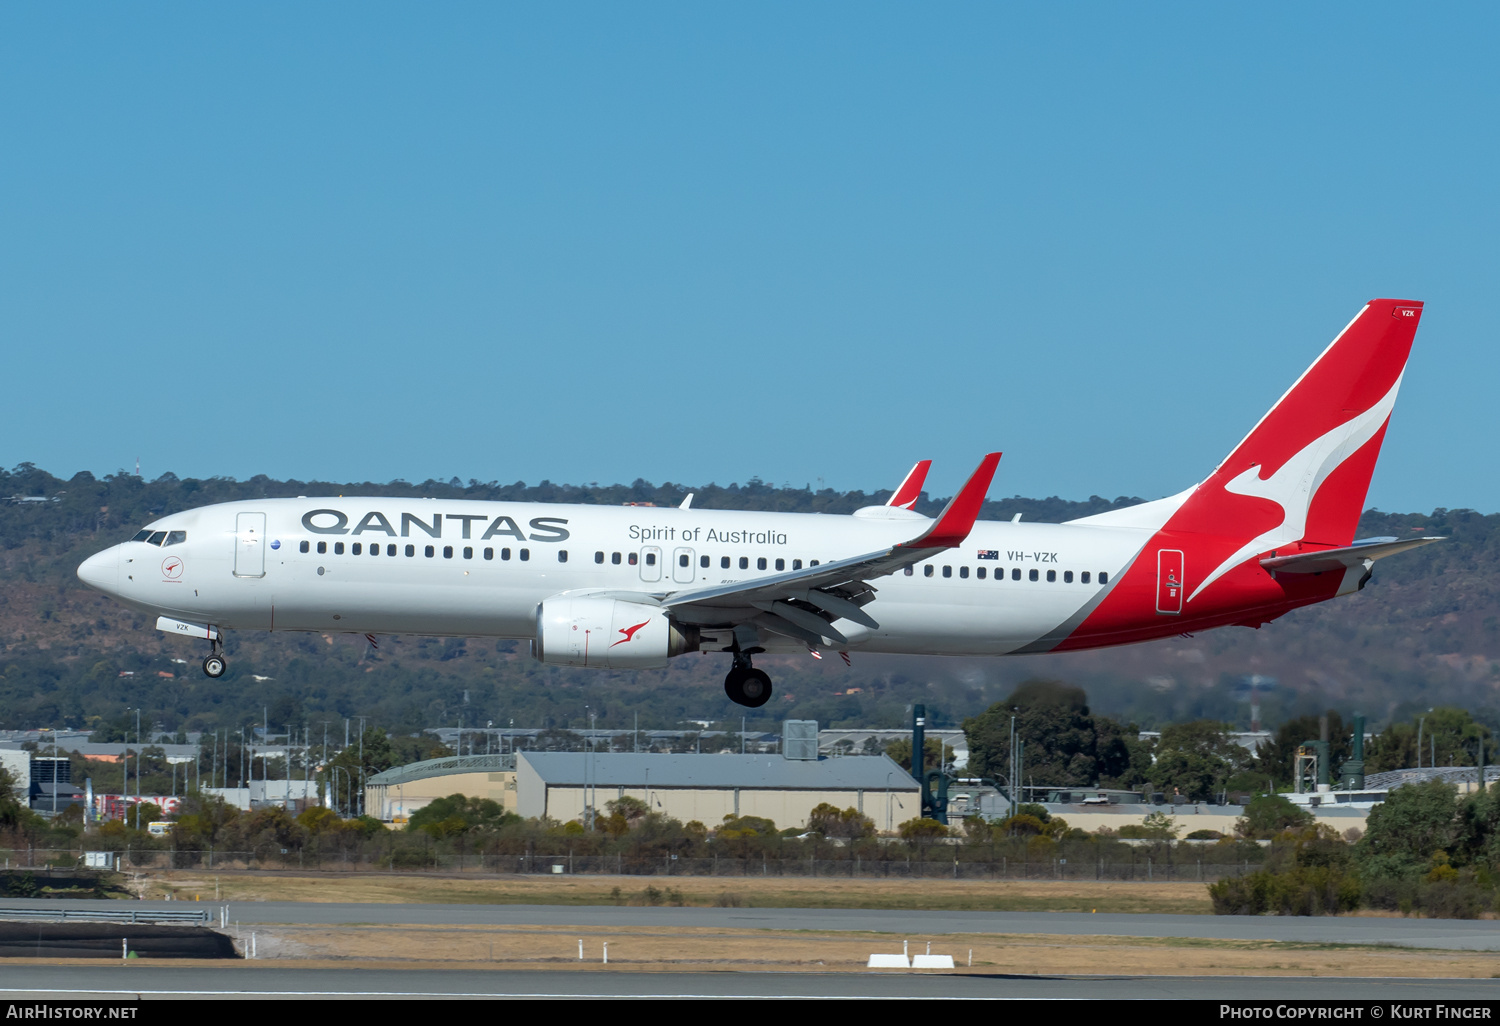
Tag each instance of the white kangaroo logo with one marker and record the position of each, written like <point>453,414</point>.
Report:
<point>1294,485</point>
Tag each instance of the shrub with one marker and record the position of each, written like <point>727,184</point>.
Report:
<point>1301,891</point>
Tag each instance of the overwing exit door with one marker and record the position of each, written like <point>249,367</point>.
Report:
<point>682,566</point>
<point>650,563</point>
<point>1169,581</point>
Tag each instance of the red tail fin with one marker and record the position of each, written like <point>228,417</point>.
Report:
<point>910,490</point>
<point>1302,474</point>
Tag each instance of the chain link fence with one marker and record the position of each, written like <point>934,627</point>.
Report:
<point>1181,867</point>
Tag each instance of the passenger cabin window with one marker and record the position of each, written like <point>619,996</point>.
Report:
<point>796,564</point>
<point>947,571</point>
<point>684,559</point>
<point>562,555</point>
<point>322,548</point>
<point>650,559</point>
<point>428,551</point>
<point>355,549</point>
<point>1015,574</point>
<point>927,570</point>
<point>760,563</point>
<point>979,573</point>
<point>1083,578</point>
<point>598,557</point>
<point>489,553</point>
<point>907,571</point>
<point>614,557</point>
<point>963,572</point>
<point>744,562</point>
<point>633,558</point>
<point>724,562</point>
<point>781,564</point>
<point>1067,577</point>
<point>338,548</point>
<point>390,550</point>
<point>704,561</point>
<point>468,552</point>
<point>505,554</point>
<point>304,547</point>
<point>1103,577</point>
<point>1033,575</point>
<point>1051,576</point>
<point>525,554</point>
<point>447,551</point>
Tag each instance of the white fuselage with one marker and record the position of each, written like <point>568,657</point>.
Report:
<point>480,569</point>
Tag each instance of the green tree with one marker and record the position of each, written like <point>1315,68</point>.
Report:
<point>1270,815</point>
<point>922,829</point>
<point>1450,735</point>
<point>1060,737</point>
<point>936,753</point>
<point>830,821</point>
<point>1157,826</point>
<point>1195,759</point>
<point>1404,831</point>
<point>457,814</point>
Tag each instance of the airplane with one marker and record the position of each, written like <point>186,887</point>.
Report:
<point>1271,529</point>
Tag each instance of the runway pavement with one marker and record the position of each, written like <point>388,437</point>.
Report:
<point>1446,934</point>
<point>39,982</point>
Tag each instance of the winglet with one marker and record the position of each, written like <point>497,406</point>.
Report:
<point>956,520</point>
<point>910,489</point>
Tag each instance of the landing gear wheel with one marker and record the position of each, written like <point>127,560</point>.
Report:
<point>214,666</point>
<point>748,687</point>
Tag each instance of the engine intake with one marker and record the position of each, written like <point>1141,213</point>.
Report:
<point>609,634</point>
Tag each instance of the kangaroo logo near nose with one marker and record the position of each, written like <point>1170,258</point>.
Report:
<point>171,568</point>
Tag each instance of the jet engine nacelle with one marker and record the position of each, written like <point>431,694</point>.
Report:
<point>608,633</point>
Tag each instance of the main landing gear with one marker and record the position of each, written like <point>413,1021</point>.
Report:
<point>215,664</point>
<point>745,685</point>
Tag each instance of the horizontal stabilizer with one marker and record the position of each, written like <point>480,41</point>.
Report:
<point>1340,559</point>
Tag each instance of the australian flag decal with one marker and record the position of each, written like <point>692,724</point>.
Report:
<point>989,553</point>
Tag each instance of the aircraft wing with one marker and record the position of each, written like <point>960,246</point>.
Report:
<point>802,604</point>
<point>1341,559</point>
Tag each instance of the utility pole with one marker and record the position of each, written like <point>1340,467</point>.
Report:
<point>138,769</point>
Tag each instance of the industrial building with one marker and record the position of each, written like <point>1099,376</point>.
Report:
<point>707,788</point>
<point>783,787</point>
<point>393,795</point>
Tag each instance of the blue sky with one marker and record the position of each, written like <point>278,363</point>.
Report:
<point>809,243</point>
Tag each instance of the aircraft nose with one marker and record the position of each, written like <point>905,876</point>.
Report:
<point>102,571</point>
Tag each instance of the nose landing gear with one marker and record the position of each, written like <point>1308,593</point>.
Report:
<point>215,664</point>
<point>745,685</point>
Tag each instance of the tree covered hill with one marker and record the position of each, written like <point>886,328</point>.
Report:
<point>1425,632</point>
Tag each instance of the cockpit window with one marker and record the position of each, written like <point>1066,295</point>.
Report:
<point>143,535</point>
<point>157,537</point>
<point>176,537</point>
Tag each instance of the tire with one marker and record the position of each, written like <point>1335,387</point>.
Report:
<point>214,666</point>
<point>755,689</point>
<point>734,686</point>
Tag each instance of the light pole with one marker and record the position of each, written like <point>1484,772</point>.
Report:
<point>138,770</point>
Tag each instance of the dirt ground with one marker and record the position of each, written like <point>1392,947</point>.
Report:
<point>727,949</point>
<point>750,892</point>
